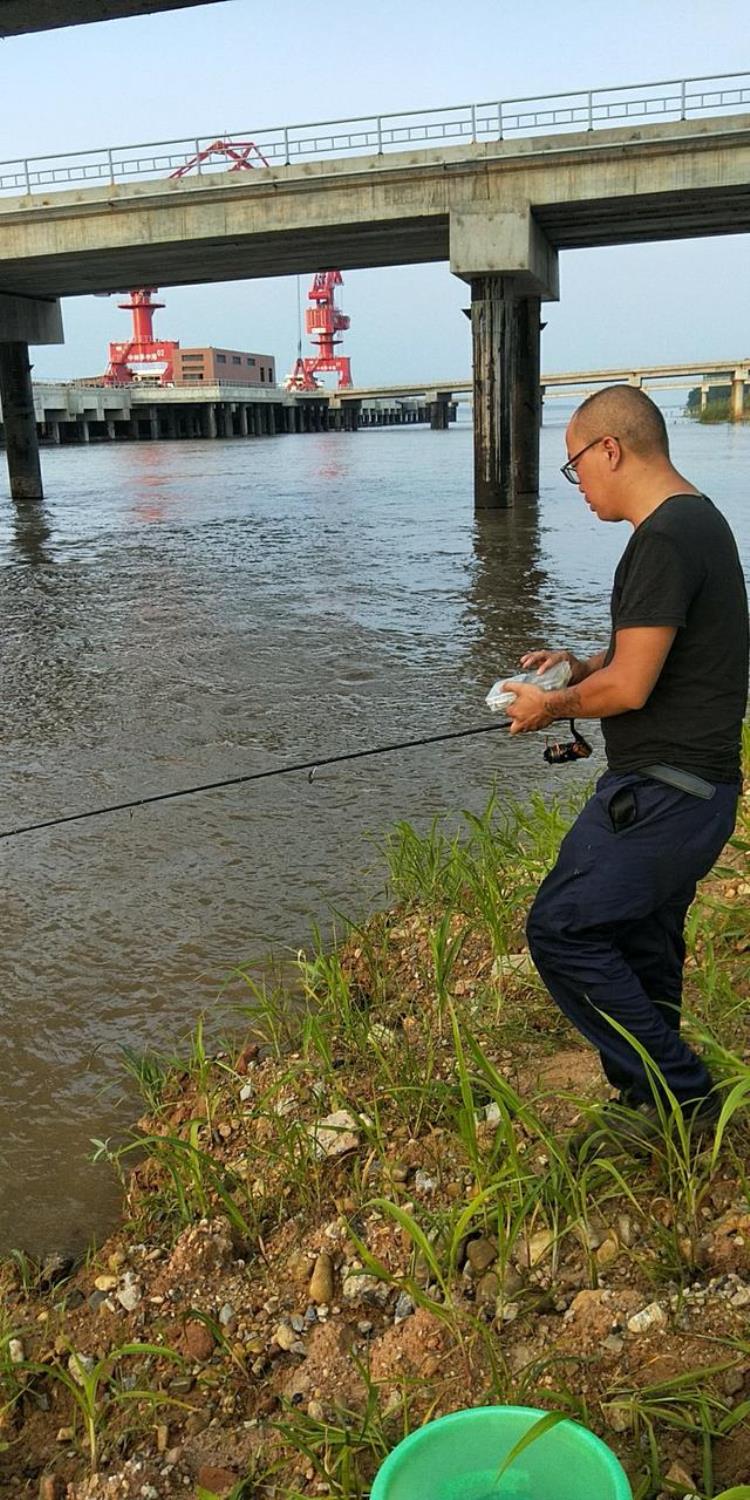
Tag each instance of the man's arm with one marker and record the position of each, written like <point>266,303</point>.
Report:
<point>625,684</point>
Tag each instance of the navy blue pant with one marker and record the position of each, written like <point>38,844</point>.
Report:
<point>606,928</point>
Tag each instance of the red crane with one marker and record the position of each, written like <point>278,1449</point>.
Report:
<point>323,321</point>
<point>141,357</point>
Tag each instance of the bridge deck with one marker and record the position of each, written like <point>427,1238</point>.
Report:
<point>618,186</point>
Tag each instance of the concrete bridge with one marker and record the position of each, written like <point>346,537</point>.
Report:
<point>83,411</point>
<point>439,395</point>
<point>499,209</point>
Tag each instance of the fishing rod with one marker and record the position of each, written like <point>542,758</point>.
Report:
<point>554,754</point>
<point>311,766</point>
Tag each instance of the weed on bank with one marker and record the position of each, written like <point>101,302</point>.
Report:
<point>368,1214</point>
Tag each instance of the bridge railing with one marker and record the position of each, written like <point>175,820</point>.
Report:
<point>285,145</point>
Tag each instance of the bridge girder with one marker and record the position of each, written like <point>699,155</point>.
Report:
<point>18,17</point>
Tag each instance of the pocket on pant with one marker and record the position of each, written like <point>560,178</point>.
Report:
<point>622,807</point>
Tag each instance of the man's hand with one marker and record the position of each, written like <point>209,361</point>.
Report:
<point>544,659</point>
<point>530,708</point>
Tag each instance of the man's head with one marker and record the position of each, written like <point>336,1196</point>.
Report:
<point>616,440</point>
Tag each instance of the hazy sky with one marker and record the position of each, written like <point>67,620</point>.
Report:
<point>234,67</point>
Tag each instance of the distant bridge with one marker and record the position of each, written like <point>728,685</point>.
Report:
<point>80,411</point>
<point>675,376</point>
<point>439,394</point>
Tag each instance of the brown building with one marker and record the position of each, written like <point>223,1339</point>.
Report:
<point>231,366</point>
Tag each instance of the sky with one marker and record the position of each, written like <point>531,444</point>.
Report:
<point>236,66</point>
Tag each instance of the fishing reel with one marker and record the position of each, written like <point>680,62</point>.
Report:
<point>557,754</point>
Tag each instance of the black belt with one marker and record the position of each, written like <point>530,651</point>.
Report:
<point>682,781</point>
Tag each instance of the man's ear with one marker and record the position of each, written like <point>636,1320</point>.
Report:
<point>613,450</point>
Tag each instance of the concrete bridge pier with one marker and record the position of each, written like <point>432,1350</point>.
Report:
<point>527,394</point>
<point>438,405</point>
<point>737,397</point>
<point>23,321</point>
<point>510,267</point>
<point>19,422</point>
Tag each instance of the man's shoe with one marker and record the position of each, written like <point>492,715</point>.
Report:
<point>617,1126</point>
<point>622,1125</point>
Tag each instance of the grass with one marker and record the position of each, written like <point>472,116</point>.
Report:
<point>427,1027</point>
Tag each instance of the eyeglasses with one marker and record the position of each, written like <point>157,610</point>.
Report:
<point>569,469</point>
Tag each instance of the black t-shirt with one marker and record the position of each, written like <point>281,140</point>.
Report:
<point>681,568</point>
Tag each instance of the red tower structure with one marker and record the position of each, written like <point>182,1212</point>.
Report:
<point>141,357</point>
<point>323,321</point>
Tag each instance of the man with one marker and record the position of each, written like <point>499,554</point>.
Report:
<point>606,928</point>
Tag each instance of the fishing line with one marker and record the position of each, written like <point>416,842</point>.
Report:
<point>311,766</point>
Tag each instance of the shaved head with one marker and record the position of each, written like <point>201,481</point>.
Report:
<point>624,412</point>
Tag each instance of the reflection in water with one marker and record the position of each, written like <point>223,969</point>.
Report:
<point>32,529</point>
<point>506,590</point>
<point>273,601</point>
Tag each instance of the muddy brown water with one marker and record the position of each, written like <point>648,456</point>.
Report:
<point>179,613</point>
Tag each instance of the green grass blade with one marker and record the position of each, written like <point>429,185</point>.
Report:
<point>544,1424</point>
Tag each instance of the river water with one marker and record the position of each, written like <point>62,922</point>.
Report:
<point>180,613</point>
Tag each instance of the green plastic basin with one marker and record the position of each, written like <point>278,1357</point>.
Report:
<point>457,1458</point>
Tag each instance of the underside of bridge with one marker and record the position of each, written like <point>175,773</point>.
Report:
<point>499,212</point>
<point>20,16</point>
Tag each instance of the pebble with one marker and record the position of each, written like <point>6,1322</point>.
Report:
<point>285,1336</point>
<point>613,1343</point>
<point>335,1135</point>
<point>199,1340</point>
<point>105,1283</point>
<point>492,1113</point>
<point>16,1351</point>
<point>181,1385</point>
<point>358,1286</point>
<point>512,1281</point>
<point>607,1252</point>
<point>649,1317</point>
<point>531,1252</point>
<point>741,1297</point>
<point>404,1308</point>
<point>617,1416</point>
<point>79,1366</point>
<point>480,1255</point>
<point>246,1092</point>
<point>129,1294</point>
<point>315,1410</point>
<point>678,1475</point>
<point>321,1281</point>
<point>488,1289</point>
<point>226,1314</point>
<point>423,1182</point>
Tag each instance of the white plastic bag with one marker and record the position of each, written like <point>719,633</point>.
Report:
<point>554,678</point>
